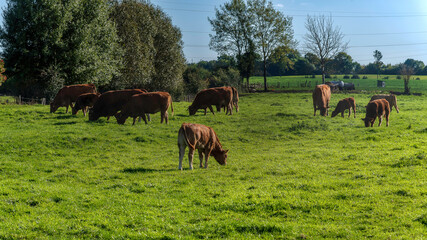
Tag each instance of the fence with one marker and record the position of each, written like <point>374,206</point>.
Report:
<point>21,100</point>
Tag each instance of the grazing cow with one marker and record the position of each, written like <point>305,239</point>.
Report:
<point>376,108</point>
<point>109,103</point>
<point>202,138</point>
<point>212,96</point>
<point>391,98</point>
<point>235,101</point>
<point>321,97</point>
<point>68,94</point>
<point>146,103</point>
<point>85,101</point>
<point>344,104</point>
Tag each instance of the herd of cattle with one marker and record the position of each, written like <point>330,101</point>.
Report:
<point>135,103</point>
<point>379,105</point>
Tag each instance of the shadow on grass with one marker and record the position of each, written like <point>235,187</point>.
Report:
<point>67,116</point>
<point>65,123</point>
<point>145,170</point>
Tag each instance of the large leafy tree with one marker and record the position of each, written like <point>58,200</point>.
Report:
<point>153,57</point>
<point>343,63</point>
<point>51,43</point>
<point>233,34</point>
<point>323,40</point>
<point>271,29</point>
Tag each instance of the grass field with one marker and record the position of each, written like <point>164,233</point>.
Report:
<point>290,175</point>
<point>369,84</point>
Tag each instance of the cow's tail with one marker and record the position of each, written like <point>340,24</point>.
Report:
<point>182,131</point>
<point>171,102</point>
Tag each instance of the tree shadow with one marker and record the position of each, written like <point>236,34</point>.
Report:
<point>65,123</point>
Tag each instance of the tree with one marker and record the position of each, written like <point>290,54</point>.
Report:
<point>153,57</point>
<point>271,29</point>
<point>343,63</point>
<point>406,72</point>
<point>378,56</point>
<point>233,32</point>
<point>49,43</point>
<point>417,65</point>
<point>323,40</point>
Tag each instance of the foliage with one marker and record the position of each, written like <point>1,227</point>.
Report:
<point>271,30</point>
<point>288,173</point>
<point>195,79</point>
<point>406,72</point>
<point>153,57</point>
<point>378,56</point>
<point>73,38</point>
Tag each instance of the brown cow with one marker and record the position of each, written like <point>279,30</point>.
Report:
<point>390,98</point>
<point>85,101</point>
<point>202,138</point>
<point>321,97</point>
<point>376,108</point>
<point>146,103</point>
<point>68,94</point>
<point>235,101</point>
<point>109,103</point>
<point>344,104</point>
<point>212,96</point>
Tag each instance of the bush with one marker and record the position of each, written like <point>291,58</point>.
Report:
<point>385,77</point>
<point>327,76</point>
<point>398,77</point>
<point>365,77</point>
<point>355,76</point>
<point>346,77</point>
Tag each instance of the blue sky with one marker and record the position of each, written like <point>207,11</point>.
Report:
<point>397,28</point>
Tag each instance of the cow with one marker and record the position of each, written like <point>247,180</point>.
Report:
<point>68,94</point>
<point>212,96</point>
<point>85,101</point>
<point>344,104</point>
<point>376,108</point>
<point>202,138</point>
<point>391,98</point>
<point>146,103</point>
<point>235,101</point>
<point>321,97</point>
<point>109,103</point>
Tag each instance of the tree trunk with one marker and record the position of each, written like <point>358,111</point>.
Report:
<point>407,90</point>
<point>265,76</point>
<point>323,74</point>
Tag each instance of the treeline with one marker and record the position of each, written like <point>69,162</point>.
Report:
<point>114,44</point>
<point>296,64</point>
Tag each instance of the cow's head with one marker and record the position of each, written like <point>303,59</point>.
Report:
<point>53,107</point>
<point>368,121</point>
<point>192,110</point>
<point>220,156</point>
<point>334,113</point>
<point>92,115</point>
<point>323,111</point>
<point>120,118</point>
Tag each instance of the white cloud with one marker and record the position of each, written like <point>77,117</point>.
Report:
<point>280,5</point>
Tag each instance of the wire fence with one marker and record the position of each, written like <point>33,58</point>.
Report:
<point>7,99</point>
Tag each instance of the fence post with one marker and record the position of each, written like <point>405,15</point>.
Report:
<point>19,100</point>
<point>43,101</point>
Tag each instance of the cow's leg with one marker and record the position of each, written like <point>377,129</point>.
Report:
<point>386,118</point>
<point>210,108</point>
<point>190,157</point>
<point>342,113</point>
<point>134,120</point>
<point>207,153</point>
<point>108,118</point>
<point>66,108</point>
<point>201,157</point>
<point>166,117</point>
<point>354,112</point>
<point>145,119</point>
<point>314,109</point>
<point>230,109</point>
<point>139,119</point>
<point>181,154</point>
<point>380,120</point>
<point>205,111</point>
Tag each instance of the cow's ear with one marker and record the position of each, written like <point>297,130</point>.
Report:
<point>226,151</point>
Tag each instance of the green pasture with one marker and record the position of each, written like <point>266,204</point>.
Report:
<point>369,84</point>
<point>290,175</point>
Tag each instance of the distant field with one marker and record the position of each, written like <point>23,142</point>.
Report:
<point>370,84</point>
<point>290,175</point>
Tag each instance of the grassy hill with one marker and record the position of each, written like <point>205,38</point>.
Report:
<point>290,175</point>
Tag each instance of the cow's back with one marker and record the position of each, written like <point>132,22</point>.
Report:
<point>321,97</point>
<point>377,107</point>
<point>111,102</point>
<point>74,91</point>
